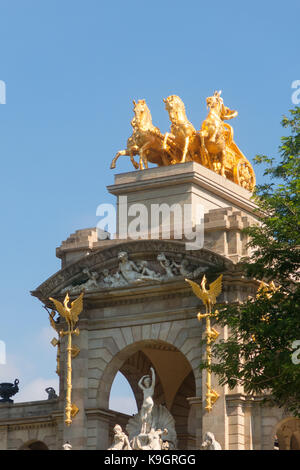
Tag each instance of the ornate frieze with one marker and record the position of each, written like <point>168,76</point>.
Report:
<point>131,263</point>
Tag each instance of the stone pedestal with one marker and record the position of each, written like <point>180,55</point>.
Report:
<point>183,184</point>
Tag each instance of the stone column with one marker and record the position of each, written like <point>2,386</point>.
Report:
<point>195,421</point>
<point>3,437</point>
<point>249,424</point>
<point>58,417</point>
<point>98,428</point>
<point>76,433</point>
<point>236,421</point>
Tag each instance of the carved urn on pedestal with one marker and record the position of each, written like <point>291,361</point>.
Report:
<point>8,390</point>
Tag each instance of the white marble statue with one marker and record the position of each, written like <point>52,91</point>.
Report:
<point>210,442</point>
<point>150,441</point>
<point>90,284</point>
<point>121,441</point>
<point>146,272</point>
<point>93,279</point>
<point>67,446</point>
<point>147,384</point>
<point>156,442</point>
<point>153,428</point>
<point>133,272</point>
<point>187,271</point>
<point>167,265</point>
<point>112,280</point>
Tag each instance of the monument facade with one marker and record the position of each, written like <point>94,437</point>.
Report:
<point>140,315</point>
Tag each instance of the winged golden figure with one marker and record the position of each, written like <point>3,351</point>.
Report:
<point>71,314</point>
<point>266,289</point>
<point>208,296</point>
<point>52,321</point>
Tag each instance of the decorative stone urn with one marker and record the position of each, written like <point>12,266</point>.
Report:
<point>8,390</point>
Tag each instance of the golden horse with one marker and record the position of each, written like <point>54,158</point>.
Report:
<point>212,146</point>
<point>145,141</point>
<point>182,142</point>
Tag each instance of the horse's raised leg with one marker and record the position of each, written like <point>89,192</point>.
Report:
<point>113,163</point>
<point>123,153</point>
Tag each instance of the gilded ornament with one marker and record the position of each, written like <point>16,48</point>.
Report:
<point>70,314</point>
<point>209,298</point>
<point>212,146</point>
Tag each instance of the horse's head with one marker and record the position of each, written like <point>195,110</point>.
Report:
<point>215,102</point>
<point>175,108</point>
<point>142,114</point>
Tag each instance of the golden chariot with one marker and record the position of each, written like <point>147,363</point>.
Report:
<point>212,146</point>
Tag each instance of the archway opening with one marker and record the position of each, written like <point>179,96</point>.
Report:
<point>121,396</point>
<point>175,382</point>
<point>288,434</point>
<point>34,445</point>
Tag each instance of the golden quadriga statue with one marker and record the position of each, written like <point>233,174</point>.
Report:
<point>212,146</point>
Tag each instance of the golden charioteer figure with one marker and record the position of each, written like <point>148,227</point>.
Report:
<point>212,145</point>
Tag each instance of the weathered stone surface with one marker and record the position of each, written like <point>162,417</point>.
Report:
<point>131,327</point>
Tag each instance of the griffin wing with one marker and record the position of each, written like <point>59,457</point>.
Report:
<point>59,307</point>
<point>76,308</point>
<point>197,290</point>
<point>52,321</point>
<point>215,288</point>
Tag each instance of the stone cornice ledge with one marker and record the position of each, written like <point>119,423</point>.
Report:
<point>190,172</point>
<point>97,413</point>
<point>239,398</point>
<point>187,313</point>
<point>32,421</point>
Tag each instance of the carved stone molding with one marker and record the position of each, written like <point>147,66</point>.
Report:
<point>137,251</point>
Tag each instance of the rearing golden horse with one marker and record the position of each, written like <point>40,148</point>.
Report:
<point>145,141</point>
<point>212,146</point>
<point>182,142</point>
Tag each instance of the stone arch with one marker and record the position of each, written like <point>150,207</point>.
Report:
<point>288,434</point>
<point>176,378</point>
<point>169,337</point>
<point>34,445</point>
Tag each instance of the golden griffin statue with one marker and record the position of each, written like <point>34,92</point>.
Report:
<point>209,298</point>
<point>70,314</point>
<point>212,146</point>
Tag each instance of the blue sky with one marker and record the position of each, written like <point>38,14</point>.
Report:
<point>71,70</point>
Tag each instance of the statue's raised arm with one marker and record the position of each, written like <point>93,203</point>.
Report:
<point>140,382</point>
<point>153,379</point>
